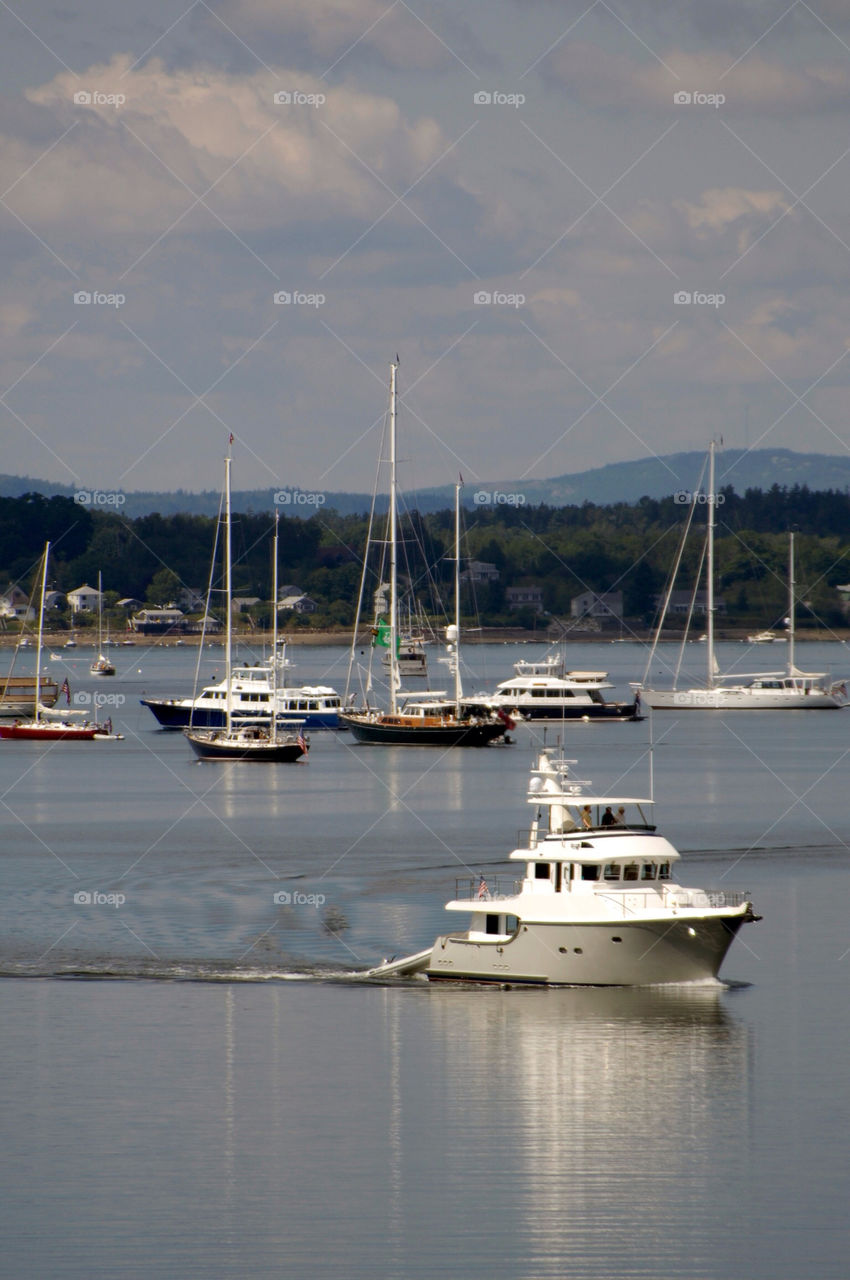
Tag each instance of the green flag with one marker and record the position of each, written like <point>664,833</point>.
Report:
<point>381,634</point>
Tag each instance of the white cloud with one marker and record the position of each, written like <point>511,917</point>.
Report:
<point>201,124</point>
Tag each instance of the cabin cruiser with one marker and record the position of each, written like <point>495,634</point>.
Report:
<point>252,695</point>
<point>547,691</point>
<point>597,904</point>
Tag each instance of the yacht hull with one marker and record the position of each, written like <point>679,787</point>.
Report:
<point>377,733</point>
<point>233,747</point>
<point>603,954</point>
<point>178,713</point>
<point>739,700</point>
<point>569,711</point>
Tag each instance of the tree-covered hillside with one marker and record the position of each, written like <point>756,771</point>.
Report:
<point>564,551</point>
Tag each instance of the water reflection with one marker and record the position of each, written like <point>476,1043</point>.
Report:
<point>611,1105</point>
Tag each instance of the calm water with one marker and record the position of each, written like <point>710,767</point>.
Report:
<point>236,1105</point>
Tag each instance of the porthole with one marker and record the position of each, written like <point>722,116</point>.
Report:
<point>614,938</point>
<point>578,951</point>
<point>563,950</point>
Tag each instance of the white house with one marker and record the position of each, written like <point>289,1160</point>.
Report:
<point>84,599</point>
<point>14,603</point>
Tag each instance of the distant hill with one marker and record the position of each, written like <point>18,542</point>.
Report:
<point>616,482</point>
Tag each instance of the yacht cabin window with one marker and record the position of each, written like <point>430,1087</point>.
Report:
<point>611,871</point>
<point>664,871</point>
<point>542,871</point>
<point>649,870</point>
<point>630,871</point>
<point>589,871</point>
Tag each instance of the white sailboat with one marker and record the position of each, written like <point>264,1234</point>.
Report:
<point>261,739</point>
<point>101,665</point>
<point>788,690</point>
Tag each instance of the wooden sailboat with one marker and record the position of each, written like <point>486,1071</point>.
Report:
<point>431,720</point>
<point>260,740</point>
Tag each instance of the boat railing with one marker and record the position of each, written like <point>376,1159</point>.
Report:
<point>485,888</point>
<point>633,900</point>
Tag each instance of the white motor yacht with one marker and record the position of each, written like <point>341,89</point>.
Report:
<point>597,904</point>
<point>545,690</point>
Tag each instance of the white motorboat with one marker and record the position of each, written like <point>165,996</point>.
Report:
<point>546,690</point>
<point>765,637</point>
<point>788,690</point>
<point>597,904</point>
<point>251,695</point>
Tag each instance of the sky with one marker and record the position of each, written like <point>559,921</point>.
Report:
<point>385,166</point>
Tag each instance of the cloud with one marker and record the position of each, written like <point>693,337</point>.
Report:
<point>719,209</point>
<point>599,78</point>
<point>121,168</point>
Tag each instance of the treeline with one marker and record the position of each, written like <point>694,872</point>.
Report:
<point>563,550</point>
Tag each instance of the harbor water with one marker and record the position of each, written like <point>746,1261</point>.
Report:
<point>196,1083</point>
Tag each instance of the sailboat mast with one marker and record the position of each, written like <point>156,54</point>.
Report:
<point>458,688</point>
<point>274,633</point>
<point>393,548</point>
<point>99,612</point>
<point>710,592</point>
<point>228,641</point>
<point>40,635</point>
<point>792,602</point>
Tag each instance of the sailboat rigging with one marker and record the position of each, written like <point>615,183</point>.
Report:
<point>791,689</point>
<point>101,665</point>
<point>423,719</point>
<point>262,739</point>
<point>53,726</point>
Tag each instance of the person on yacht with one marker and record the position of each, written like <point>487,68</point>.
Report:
<point>608,819</point>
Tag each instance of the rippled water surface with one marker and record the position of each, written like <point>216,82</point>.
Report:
<point>195,1085</point>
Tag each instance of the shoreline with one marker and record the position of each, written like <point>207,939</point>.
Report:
<point>343,638</point>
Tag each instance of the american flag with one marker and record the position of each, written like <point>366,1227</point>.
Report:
<point>483,891</point>
<point>302,742</point>
<point>66,689</point>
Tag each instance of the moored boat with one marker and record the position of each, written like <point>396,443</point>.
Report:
<point>546,690</point>
<point>265,740</point>
<point>419,720</point>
